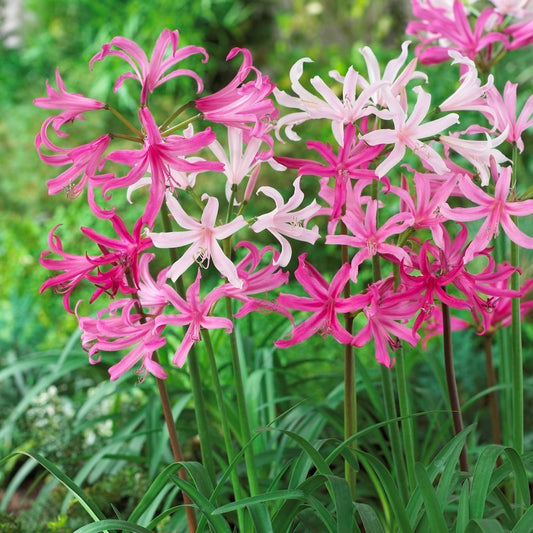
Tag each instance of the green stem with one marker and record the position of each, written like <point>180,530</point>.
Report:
<point>407,424</point>
<point>517,371</point>
<point>176,114</point>
<point>350,390</point>
<point>237,490</point>
<point>181,125</point>
<point>138,134</point>
<point>517,375</point>
<point>388,392</point>
<point>451,382</point>
<point>493,396</point>
<point>200,411</point>
<point>169,418</point>
<point>244,422</point>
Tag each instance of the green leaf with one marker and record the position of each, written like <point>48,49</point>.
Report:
<point>481,479</point>
<point>342,500</point>
<point>153,491</point>
<point>463,509</point>
<point>203,504</point>
<point>391,490</point>
<point>370,519</point>
<point>525,524</point>
<point>433,509</point>
<point>281,495</point>
<point>92,509</point>
<point>520,476</point>
<point>114,525</point>
<point>484,525</point>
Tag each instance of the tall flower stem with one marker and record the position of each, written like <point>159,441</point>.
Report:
<point>169,421</point>
<point>517,371</point>
<point>391,413</point>
<point>517,374</point>
<point>237,490</point>
<point>493,397</point>
<point>350,390</point>
<point>407,418</point>
<point>451,382</point>
<point>244,422</point>
<point>200,411</point>
<point>175,446</point>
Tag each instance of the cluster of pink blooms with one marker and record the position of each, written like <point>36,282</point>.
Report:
<point>408,218</point>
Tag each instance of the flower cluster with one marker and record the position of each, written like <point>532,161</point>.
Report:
<point>396,184</point>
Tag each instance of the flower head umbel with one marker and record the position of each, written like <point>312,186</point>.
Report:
<point>202,236</point>
<point>151,73</point>
<point>242,104</point>
<point>325,301</point>
<point>73,105</point>
<point>194,313</point>
<point>285,219</point>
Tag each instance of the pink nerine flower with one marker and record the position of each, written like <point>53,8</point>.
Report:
<point>325,302</point>
<point>386,312</point>
<point>502,113</point>
<point>202,236</point>
<point>241,104</point>
<point>121,331</point>
<point>407,133</point>
<point>497,210</point>
<point>108,272</point>
<point>452,31</point>
<point>160,156</point>
<point>369,238</point>
<point>286,220</point>
<point>195,313</point>
<point>151,74</point>
<point>74,105</point>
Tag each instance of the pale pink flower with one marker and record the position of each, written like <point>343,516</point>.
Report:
<point>502,113</point>
<point>395,80</point>
<point>408,131</point>
<point>470,95</point>
<point>478,153</point>
<point>195,313</point>
<point>151,73</point>
<point>202,236</point>
<point>286,220</point>
<point>238,163</point>
<point>515,8</point>
<point>344,110</point>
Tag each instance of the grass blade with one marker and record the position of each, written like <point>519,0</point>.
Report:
<point>433,508</point>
